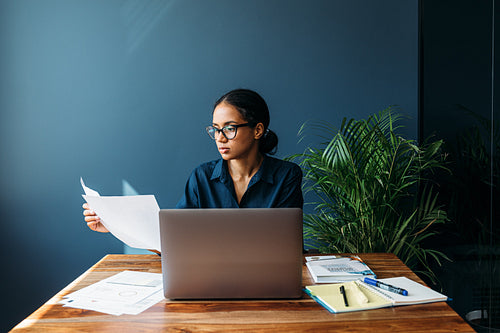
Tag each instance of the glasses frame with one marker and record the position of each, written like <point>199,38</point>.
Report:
<point>219,131</point>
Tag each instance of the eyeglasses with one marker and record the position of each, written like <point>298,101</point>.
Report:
<point>228,131</point>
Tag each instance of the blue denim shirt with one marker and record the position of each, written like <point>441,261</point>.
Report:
<point>276,184</point>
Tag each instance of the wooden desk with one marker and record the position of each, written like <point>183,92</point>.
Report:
<point>241,315</point>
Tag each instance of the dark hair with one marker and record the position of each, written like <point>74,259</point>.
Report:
<point>253,109</point>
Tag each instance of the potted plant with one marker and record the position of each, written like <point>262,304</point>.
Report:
<point>372,191</point>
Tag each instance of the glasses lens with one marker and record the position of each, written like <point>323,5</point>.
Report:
<point>211,131</point>
<point>230,132</point>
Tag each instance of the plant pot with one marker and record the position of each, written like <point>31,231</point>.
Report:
<point>479,321</point>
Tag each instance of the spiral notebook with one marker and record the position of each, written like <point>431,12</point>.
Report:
<point>362,296</point>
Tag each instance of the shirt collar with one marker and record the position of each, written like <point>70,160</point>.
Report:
<point>220,171</point>
<point>265,172</point>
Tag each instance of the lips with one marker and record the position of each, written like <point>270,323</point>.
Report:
<point>223,150</point>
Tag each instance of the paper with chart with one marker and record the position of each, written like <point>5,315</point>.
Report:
<point>128,292</point>
<point>132,219</point>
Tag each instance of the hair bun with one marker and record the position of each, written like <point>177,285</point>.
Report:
<point>268,143</point>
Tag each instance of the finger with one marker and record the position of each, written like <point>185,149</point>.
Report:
<point>96,226</point>
<point>89,212</point>
<point>86,206</point>
<point>93,225</point>
<point>92,219</point>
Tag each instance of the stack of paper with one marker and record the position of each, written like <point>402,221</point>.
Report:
<point>127,292</point>
<point>332,269</point>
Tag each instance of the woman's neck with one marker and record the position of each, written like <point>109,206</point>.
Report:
<point>245,168</point>
<point>242,170</point>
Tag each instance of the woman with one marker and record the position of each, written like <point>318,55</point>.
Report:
<point>246,176</point>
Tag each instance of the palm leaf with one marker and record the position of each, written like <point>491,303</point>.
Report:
<point>366,179</point>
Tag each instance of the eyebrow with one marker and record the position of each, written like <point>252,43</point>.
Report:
<point>226,123</point>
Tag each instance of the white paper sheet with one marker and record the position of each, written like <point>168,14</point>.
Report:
<point>114,308</point>
<point>132,219</point>
<point>89,191</point>
<point>127,292</point>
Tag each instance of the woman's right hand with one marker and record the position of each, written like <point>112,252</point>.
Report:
<point>93,221</point>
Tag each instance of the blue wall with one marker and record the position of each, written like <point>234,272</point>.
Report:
<point>123,89</point>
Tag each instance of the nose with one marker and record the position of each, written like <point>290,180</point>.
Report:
<point>220,137</point>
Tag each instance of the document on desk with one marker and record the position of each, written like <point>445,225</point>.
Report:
<point>132,219</point>
<point>127,292</point>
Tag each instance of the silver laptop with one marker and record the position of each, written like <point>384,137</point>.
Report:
<point>231,253</point>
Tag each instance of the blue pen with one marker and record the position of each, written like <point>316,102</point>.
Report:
<point>386,286</point>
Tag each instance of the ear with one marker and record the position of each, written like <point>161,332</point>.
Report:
<point>258,131</point>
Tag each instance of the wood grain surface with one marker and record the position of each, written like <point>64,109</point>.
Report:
<point>302,315</point>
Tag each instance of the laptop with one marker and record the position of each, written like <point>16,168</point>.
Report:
<point>240,253</point>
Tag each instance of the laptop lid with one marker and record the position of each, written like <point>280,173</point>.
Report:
<point>231,253</point>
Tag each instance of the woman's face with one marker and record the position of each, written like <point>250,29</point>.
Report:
<point>246,139</point>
